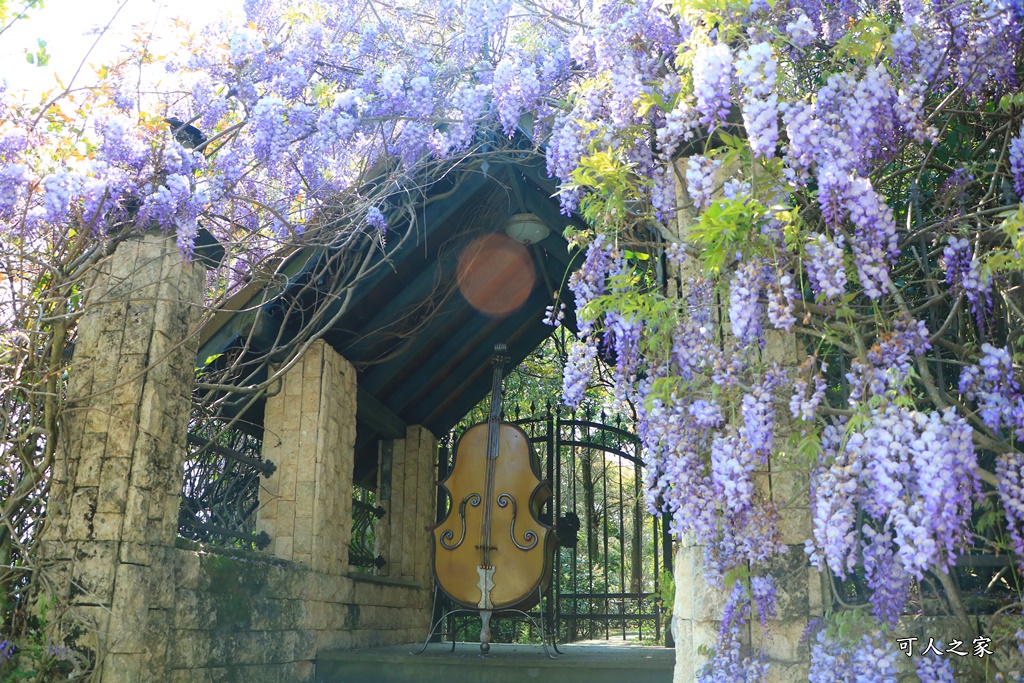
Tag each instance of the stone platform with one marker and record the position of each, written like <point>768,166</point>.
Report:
<point>591,662</point>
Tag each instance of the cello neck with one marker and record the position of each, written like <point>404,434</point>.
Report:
<point>493,428</point>
<point>494,417</point>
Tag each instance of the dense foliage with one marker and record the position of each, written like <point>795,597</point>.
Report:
<point>853,173</point>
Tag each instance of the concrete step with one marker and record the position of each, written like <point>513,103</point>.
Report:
<point>581,663</point>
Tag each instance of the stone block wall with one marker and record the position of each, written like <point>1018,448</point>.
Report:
<point>151,611</point>
<point>262,617</point>
<point>310,434</point>
<point>113,509</point>
<point>246,618</point>
<point>409,497</point>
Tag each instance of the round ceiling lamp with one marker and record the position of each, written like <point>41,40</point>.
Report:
<point>526,228</point>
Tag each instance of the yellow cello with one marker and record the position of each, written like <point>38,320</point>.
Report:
<point>492,552</point>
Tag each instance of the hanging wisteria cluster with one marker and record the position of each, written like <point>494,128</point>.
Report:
<point>851,177</point>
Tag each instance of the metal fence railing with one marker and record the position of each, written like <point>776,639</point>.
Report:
<point>220,490</point>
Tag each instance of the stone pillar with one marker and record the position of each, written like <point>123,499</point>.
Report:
<point>698,607</point>
<point>310,435</point>
<point>799,588</point>
<point>697,610</point>
<point>113,509</point>
<point>411,508</point>
<point>798,585</point>
<point>382,529</point>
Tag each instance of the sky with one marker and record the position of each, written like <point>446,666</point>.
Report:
<point>69,27</point>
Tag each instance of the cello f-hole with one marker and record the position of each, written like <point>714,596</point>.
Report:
<point>529,537</point>
<point>474,500</point>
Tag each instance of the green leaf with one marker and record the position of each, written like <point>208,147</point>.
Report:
<point>727,226</point>
<point>864,41</point>
<point>740,573</point>
<point>42,56</point>
<point>986,521</point>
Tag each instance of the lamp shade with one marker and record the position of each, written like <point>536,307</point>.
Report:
<point>526,228</point>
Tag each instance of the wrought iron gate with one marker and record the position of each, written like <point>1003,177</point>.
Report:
<point>608,585</point>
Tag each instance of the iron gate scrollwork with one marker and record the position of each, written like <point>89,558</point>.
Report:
<point>608,569</point>
<point>220,490</point>
<point>364,514</point>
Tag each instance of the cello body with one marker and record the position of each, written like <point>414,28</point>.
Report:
<point>492,552</point>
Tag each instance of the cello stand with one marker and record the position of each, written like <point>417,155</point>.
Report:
<point>485,628</point>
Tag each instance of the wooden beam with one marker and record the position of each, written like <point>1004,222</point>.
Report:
<point>417,355</point>
<point>230,322</point>
<point>466,380</point>
<point>412,298</point>
<point>236,317</point>
<point>450,360</point>
<point>442,417</point>
<point>377,416</point>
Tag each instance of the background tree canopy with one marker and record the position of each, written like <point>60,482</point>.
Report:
<point>853,173</point>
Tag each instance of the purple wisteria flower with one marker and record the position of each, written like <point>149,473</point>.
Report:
<point>889,583</point>
<point>781,295</point>
<point>891,356</point>
<point>554,315</point>
<point>834,509</point>
<point>992,385</point>
<point>931,668</point>
<point>1010,471</point>
<point>588,282</point>
<point>735,189</point>
<point>700,180</point>
<point>829,661</point>
<point>676,253</point>
<point>14,180</point>
<point>712,83</point>
<point>622,335</point>
<point>706,414</point>
<point>964,272</point>
<point>762,590</point>
<point>874,659</point>
<point>579,366</point>
<point>803,130</point>
<point>874,242</point>
<point>734,663</point>
<point>801,406</point>
<point>801,30</point>
<point>825,267</point>
<point>756,71</point>
<point>910,472</point>
<point>516,89</point>
<point>732,464</point>
<point>736,611</point>
<point>375,219</point>
<point>744,302</point>
<point>833,183</point>
<point>566,146</point>
<point>186,236</point>
<point>679,125</point>
<point>270,129</point>
<point>1017,162</point>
